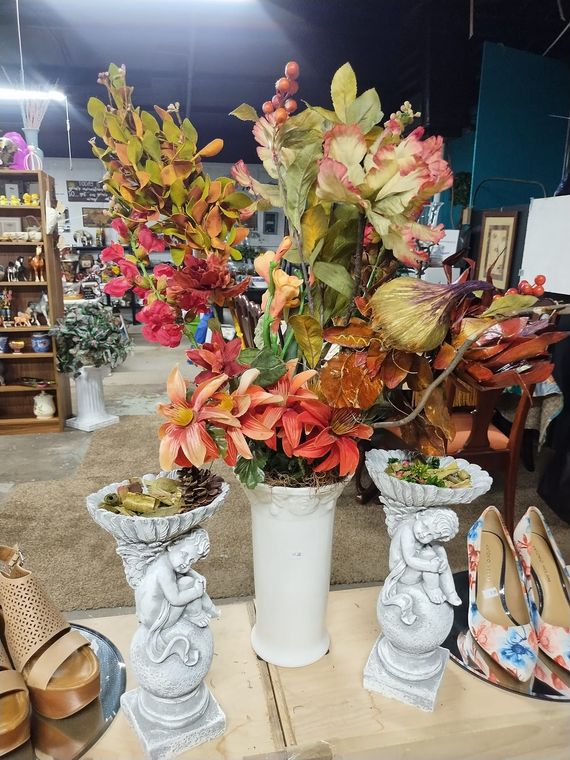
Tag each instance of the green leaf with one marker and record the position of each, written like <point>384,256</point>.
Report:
<point>270,367</point>
<point>309,336</point>
<point>335,276</point>
<point>343,90</point>
<point>268,192</point>
<point>298,182</point>
<point>326,114</point>
<point>149,122</point>
<point>96,107</point>
<point>151,145</point>
<point>237,200</point>
<point>171,131</point>
<point>134,150</point>
<point>249,473</point>
<point>245,113</point>
<point>177,255</point>
<point>116,130</point>
<point>248,355</point>
<point>509,306</point>
<point>178,192</point>
<point>99,124</point>
<point>366,111</point>
<point>153,170</point>
<point>219,436</point>
<point>314,225</point>
<point>190,133</point>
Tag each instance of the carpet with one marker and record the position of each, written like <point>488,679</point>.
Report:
<point>76,559</point>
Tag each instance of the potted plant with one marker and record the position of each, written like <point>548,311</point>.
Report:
<point>90,343</point>
<point>341,329</point>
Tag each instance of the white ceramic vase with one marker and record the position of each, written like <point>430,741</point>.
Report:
<point>415,605</point>
<point>91,411</point>
<point>292,531</point>
<point>172,650</point>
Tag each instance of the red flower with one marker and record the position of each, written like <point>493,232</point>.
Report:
<point>128,269</point>
<point>120,228</point>
<point>117,287</point>
<point>335,439</point>
<point>149,241</point>
<point>163,270</point>
<point>160,325</point>
<point>216,358</point>
<point>112,254</point>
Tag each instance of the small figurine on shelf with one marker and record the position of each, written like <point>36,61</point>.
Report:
<point>11,272</point>
<point>37,264</point>
<point>21,271</point>
<point>27,198</point>
<point>14,200</point>
<point>37,308</point>
<point>3,200</point>
<point>35,199</point>
<point>22,319</point>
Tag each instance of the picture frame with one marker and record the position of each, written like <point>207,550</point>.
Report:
<point>95,216</point>
<point>10,224</point>
<point>496,246</point>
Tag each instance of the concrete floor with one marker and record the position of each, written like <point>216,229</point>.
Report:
<point>134,388</point>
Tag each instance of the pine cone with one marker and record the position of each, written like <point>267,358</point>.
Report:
<point>199,487</point>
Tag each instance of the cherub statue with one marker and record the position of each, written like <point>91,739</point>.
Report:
<point>417,559</point>
<point>171,591</point>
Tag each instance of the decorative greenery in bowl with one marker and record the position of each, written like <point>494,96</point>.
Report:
<point>89,335</point>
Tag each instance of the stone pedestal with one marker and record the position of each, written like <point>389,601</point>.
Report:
<point>91,411</point>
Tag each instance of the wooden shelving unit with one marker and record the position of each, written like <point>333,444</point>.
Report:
<point>16,400</point>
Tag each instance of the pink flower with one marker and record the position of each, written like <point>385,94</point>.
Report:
<point>117,287</point>
<point>112,254</point>
<point>160,324</point>
<point>163,270</point>
<point>120,228</point>
<point>149,241</point>
<point>128,269</point>
<point>241,174</point>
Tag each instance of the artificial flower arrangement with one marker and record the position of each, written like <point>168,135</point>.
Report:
<point>345,342</point>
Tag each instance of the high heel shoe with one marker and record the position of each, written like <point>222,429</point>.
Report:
<point>14,706</point>
<point>548,582</point>
<point>499,614</point>
<point>59,667</point>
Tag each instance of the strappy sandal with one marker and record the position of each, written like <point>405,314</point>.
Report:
<point>57,663</point>
<point>14,706</point>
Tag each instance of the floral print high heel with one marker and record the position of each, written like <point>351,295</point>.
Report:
<point>548,585</point>
<point>499,613</point>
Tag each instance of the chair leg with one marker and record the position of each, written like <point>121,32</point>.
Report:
<point>364,492</point>
<point>509,493</point>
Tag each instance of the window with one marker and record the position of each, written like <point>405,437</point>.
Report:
<point>270,223</point>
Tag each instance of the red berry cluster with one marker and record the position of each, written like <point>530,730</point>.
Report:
<point>524,288</point>
<point>282,103</point>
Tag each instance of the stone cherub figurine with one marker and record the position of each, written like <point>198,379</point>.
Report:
<point>418,559</point>
<point>171,590</point>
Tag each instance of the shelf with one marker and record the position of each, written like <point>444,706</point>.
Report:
<point>27,355</point>
<point>25,388</point>
<point>6,421</point>
<point>19,243</point>
<point>23,284</point>
<point>21,207</point>
<point>24,329</point>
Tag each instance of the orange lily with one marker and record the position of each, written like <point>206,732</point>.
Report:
<point>184,438</point>
<point>262,263</point>
<point>285,295</point>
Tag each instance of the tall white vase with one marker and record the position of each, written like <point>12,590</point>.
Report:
<point>91,411</point>
<point>292,530</point>
<point>172,709</point>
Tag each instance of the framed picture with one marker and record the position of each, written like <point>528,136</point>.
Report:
<point>496,246</point>
<point>95,216</point>
<point>10,224</point>
<point>270,223</point>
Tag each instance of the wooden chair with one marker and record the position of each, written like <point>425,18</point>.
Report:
<point>476,439</point>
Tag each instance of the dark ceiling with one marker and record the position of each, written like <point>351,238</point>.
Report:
<point>211,55</point>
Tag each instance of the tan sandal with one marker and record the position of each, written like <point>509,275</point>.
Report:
<point>57,663</point>
<point>14,706</point>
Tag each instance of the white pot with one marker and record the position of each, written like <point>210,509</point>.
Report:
<point>292,532</point>
<point>91,412</point>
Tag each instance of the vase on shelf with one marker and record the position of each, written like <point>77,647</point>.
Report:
<point>415,604</point>
<point>91,411</point>
<point>32,134</point>
<point>172,708</point>
<point>41,343</point>
<point>292,532</point>
<point>44,406</point>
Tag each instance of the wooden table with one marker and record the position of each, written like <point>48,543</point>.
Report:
<point>322,712</point>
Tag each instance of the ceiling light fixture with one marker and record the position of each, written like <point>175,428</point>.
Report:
<point>15,93</point>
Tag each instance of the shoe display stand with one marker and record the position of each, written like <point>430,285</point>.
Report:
<point>550,681</point>
<point>322,712</point>
<point>72,737</point>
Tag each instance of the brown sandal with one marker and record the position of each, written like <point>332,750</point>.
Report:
<point>14,706</point>
<point>57,663</point>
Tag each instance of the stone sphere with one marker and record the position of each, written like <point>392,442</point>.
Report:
<point>172,678</point>
<point>430,629</point>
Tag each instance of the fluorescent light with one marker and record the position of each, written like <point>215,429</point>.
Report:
<point>12,93</point>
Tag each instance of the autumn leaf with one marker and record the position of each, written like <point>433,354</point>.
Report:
<point>309,337</point>
<point>437,413</point>
<point>351,336</point>
<point>395,367</point>
<point>444,357</point>
<point>420,436</point>
<point>527,349</point>
<point>344,384</point>
<point>420,375</point>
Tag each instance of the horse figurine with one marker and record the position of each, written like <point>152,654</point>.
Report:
<point>11,272</point>
<point>35,308</point>
<point>38,265</point>
<point>23,319</point>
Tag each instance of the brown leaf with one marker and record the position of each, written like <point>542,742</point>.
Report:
<point>437,413</point>
<point>444,357</point>
<point>479,371</point>
<point>420,374</point>
<point>418,435</point>
<point>526,349</point>
<point>344,384</point>
<point>351,336</point>
<point>395,367</point>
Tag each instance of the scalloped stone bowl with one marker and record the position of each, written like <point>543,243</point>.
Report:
<point>423,496</point>
<point>149,530</point>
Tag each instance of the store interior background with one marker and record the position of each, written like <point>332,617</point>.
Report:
<point>478,71</point>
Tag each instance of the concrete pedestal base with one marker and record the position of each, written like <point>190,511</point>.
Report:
<point>162,743</point>
<point>420,693</point>
<point>88,427</point>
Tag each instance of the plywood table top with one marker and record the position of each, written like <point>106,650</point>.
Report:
<point>322,711</point>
